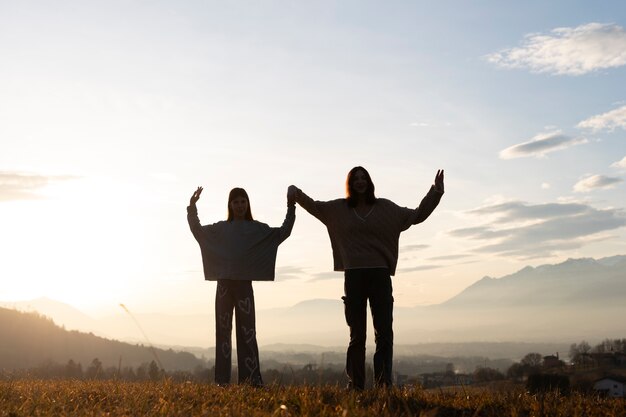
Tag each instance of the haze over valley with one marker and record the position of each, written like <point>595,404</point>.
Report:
<point>567,302</point>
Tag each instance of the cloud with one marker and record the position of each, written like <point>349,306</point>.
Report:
<point>284,273</point>
<point>541,144</point>
<point>606,121</point>
<point>567,51</point>
<point>409,248</point>
<point>554,227</point>
<point>448,257</point>
<point>594,182</point>
<point>478,232</point>
<point>620,164</point>
<point>21,186</point>
<point>322,276</point>
<point>518,210</point>
<point>525,252</point>
<point>418,268</point>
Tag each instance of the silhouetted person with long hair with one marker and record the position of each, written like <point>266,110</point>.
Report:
<point>364,233</point>
<point>236,252</point>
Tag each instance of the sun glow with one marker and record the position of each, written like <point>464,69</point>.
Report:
<point>81,240</point>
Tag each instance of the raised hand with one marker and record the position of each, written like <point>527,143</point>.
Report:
<point>195,196</point>
<point>291,194</point>
<point>439,181</point>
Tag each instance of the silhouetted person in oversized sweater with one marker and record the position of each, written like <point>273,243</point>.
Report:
<point>236,252</point>
<point>364,233</point>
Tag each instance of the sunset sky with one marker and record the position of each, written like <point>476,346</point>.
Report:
<point>113,112</point>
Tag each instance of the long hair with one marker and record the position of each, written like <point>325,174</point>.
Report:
<point>370,198</point>
<point>235,193</point>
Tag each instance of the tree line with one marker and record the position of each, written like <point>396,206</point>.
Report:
<point>578,352</point>
<point>309,374</point>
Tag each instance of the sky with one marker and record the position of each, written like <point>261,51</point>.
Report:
<point>112,113</point>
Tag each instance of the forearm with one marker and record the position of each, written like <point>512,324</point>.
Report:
<point>193,220</point>
<point>290,218</point>
<point>307,203</point>
<point>427,205</point>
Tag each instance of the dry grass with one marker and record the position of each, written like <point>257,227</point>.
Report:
<point>110,398</point>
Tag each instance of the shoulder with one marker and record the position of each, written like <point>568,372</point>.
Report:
<point>259,224</point>
<point>388,205</point>
<point>220,225</point>
<point>385,202</point>
<point>336,203</point>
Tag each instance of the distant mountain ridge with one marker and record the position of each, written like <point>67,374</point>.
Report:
<point>583,281</point>
<point>574,300</point>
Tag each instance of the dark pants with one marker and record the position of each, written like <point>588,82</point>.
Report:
<point>359,286</point>
<point>237,295</point>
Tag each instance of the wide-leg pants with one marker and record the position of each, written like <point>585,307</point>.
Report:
<point>238,296</point>
<point>360,285</point>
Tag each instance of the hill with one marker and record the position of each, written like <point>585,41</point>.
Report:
<point>32,341</point>
<point>28,339</point>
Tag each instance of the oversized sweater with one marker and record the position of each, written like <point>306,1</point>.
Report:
<point>240,249</point>
<point>370,241</point>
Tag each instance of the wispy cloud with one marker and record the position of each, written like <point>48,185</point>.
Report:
<point>594,182</point>
<point>606,121</point>
<point>567,51</point>
<point>554,227</point>
<point>322,276</point>
<point>284,273</point>
<point>418,268</point>
<point>520,211</point>
<point>620,164</point>
<point>448,257</point>
<point>22,186</point>
<point>541,144</point>
<point>410,248</point>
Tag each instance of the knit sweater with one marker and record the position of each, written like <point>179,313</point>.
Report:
<point>370,241</point>
<point>239,249</point>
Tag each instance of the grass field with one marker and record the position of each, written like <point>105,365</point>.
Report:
<point>110,398</point>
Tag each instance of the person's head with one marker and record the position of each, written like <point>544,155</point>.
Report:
<point>359,186</point>
<point>239,205</point>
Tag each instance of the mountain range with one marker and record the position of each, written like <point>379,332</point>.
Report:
<point>570,301</point>
<point>584,281</point>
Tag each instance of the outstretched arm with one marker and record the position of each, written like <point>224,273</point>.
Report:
<point>290,218</point>
<point>192,213</point>
<point>430,201</point>
<point>315,208</point>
